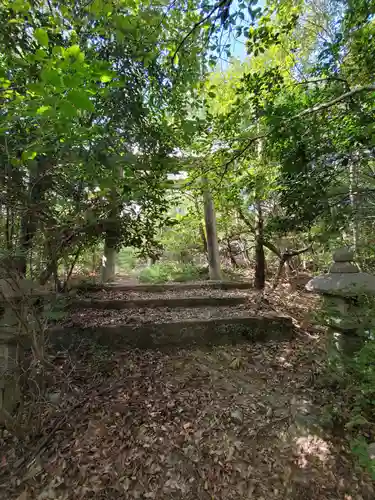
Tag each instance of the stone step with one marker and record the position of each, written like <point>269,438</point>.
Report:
<point>152,302</point>
<point>191,332</point>
<point>214,285</point>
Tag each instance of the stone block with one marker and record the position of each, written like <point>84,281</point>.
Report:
<point>229,330</point>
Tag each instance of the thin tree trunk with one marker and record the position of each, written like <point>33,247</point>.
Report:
<point>212,242</point>
<point>353,203</point>
<point>71,269</point>
<point>284,260</point>
<point>201,227</point>
<point>109,260</point>
<point>203,237</point>
<point>260,262</point>
<point>8,230</point>
<point>38,186</point>
<point>231,256</point>
<point>111,239</point>
<point>245,252</point>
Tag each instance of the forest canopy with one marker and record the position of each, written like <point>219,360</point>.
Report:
<point>102,100</point>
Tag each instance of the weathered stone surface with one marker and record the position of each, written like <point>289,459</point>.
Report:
<point>10,394</point>
<point>342,314</point>
<point>343,267</point>
<point>13,288</point>
<point>344,278</point>
<point>8,357</point>
<point>14,293</point>
<point>345,285</point>
<point>371,451</point>
<point>345,306</point>
<point>181,334</point>
<point>343,255</point>
<point>215,285</point>
<point>157,302</point>
<point>344,343</point>
<point>9,386</point>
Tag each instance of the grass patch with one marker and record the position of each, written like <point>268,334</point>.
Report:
<point>353,408</point>
<point>164,272</point>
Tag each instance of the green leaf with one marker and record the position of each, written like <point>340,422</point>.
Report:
<point>72,81</point>
<point>105,78</point>
<point>57,50</point>
<point>40,54</point>
<point>80,100</point>
<point>20,6</point>
<point>212,94</point>
<point>28,155</point>
<point>68,109</point>
<point>357,420</point>
<point>51,76</point>
<point>36,88</point>
<point>75,51</point>
<point>42,36</point>
<point>43,109</point>
<point>4,83</point>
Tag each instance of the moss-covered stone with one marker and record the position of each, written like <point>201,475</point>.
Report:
<point>182,334</point>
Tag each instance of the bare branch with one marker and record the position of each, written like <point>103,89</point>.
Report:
<point>328,104</point>
<point>327,79</point>
<point>196,25</point>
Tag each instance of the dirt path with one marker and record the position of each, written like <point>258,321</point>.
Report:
<point>229,423</point>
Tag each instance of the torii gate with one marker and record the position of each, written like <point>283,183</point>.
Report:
<point>209,218</point>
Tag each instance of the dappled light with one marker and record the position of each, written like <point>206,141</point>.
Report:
<point>187,252</point>
<point>311,447</point>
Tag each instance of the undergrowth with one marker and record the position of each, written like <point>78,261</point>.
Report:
<point>168,271</point>
<point>353,407</point>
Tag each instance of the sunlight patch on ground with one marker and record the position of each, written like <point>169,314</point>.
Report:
<point>311,446</point>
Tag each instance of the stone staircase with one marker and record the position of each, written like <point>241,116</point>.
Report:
<point>170,315</point>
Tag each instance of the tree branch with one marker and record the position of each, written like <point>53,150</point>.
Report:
<point>328,104</point>
<point>196,25</point>
<point>266,243</point>
<point>292,253</point>
<point>272,247</point>
<point>327,79</point>
<point>308,111</point>
<point>244,219</point>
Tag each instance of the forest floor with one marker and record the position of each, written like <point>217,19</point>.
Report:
<point>239,422</point>
<point>272,304</point>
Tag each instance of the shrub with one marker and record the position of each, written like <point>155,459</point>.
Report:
<point>354,407</point>
<point>127,259</point>
<point>163,272</point>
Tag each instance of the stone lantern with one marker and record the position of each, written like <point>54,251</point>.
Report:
<point>347,294</point>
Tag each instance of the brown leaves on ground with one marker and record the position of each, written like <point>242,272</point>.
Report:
<point>223,423</point>
<point>193,424</point>
<point>298,305</point>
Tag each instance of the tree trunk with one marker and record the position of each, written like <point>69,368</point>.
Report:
<point>109,260</point>
<point>231,256</point>
<point>260,262</point>
<point>285,258</point>
<point>111,238</point>
<point>353,202</point>
<point>203,237</point>
<point>38,186</point>
<point>212,243</point>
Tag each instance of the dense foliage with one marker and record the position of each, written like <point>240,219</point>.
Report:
<point>102,100</point>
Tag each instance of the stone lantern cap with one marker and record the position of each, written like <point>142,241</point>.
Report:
<point>344,278</point>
